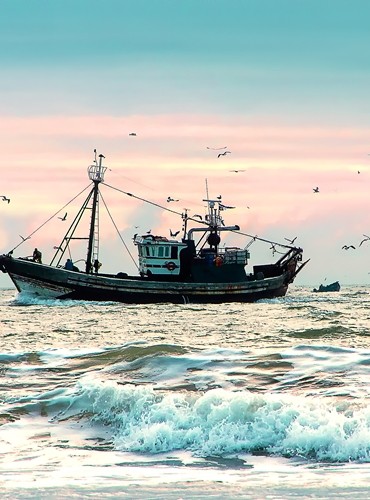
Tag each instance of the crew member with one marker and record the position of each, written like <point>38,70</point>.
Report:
<point>97,265</point>
<point>36,256</point>
<point>69,265</point>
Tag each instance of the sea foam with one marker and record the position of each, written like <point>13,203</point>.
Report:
<point>219,422</point>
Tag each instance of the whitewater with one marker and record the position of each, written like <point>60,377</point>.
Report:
<point>263,400</point>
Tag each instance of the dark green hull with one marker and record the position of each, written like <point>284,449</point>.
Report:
<point>49,282</point>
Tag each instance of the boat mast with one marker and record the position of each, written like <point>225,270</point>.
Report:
<point>96,174</point>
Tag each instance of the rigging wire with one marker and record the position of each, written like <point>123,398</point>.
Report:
<point>253,237</point>
<point>119,234</point>
<point>142,199</point>
<point>203,222</point>
<point>49,219</point>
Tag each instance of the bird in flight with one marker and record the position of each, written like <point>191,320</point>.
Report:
<point>291,241</point>
<point>347,247</point>
<point>174,234</point>
<point>4,198</point>
<point>64,217</point>
<point>366,239</point>
<point>170,199</point>
<point>223,154</point>
<point>25,239</point>
<point>217,149</point>
<point>316,190</point>
<point>236,171</point>
<point>132,134</point>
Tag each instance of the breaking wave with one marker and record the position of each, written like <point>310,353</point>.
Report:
<point>218,422</point>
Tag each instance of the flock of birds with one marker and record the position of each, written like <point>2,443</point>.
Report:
<point>347,247</point>
<point>170,199</point>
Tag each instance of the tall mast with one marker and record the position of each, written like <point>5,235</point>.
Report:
<point>96,174</point>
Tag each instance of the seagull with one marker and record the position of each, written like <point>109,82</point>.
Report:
<point>5,198</point>
<point>170,199</point>
<point>236,171</point>
<point>64,217</point>
<point>132,134</point>
<point>316,190</point>
<point>25,239</point>
<point>217,149</point>
<point>291,241</point>
<point>347,247</point>
<point>366,239</point>
<point>223,154</point>
<point>174,234</point>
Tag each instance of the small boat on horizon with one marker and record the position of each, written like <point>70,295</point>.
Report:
<point>192,269</point>
<point>332,287</point>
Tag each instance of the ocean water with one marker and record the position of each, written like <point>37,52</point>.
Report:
<point>258,401</point>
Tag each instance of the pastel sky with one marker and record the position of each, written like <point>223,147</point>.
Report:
<point>284,84</point>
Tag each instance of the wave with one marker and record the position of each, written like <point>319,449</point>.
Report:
<point>22,299</point>
<point>219,422</point>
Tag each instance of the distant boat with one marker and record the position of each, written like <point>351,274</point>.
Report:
<point>333,287</point>
<point>193,269</point>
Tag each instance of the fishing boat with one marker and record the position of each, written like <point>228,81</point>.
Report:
<point>192,269</point>
<point>332,287</point>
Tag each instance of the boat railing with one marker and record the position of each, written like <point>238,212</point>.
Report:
<point>234,255</point>
<point>96,173</point>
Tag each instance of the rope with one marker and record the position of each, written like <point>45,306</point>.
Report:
<point>155,204</point>
<point>49,219</point>
<point>119,234</point>
<point>253,238</point>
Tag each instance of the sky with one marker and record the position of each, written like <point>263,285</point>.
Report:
<point>283,84</point>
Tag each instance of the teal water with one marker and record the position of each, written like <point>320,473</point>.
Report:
<point>264,400</point>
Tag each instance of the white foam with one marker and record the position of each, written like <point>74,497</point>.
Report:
<point>221,422</point>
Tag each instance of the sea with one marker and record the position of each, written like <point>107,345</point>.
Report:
<point>269,400</point>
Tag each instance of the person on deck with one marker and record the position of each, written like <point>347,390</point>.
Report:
<point>36,256</point>
<point>69,265</point>
<point>97,265</point>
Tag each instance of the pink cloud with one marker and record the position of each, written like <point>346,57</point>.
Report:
<point>44,162</point>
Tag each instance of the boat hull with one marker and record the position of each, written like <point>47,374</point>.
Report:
<point>333,287</point>
<point>43,281</point>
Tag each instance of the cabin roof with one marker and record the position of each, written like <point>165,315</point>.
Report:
<point>156,240</point>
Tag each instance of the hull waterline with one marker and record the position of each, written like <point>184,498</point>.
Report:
<point>42,281</point>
